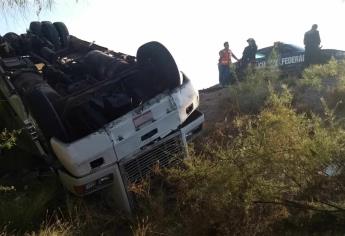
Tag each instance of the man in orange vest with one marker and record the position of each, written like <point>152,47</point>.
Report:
<point>224,65</point>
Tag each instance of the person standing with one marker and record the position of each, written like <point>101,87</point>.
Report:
<point>274,57</point>
<point>224,63</point>
<point>248,55</point>
<point>312,42</point>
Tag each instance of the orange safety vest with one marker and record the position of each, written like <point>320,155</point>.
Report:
<point>225,57</point>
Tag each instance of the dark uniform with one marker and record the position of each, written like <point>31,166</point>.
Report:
<point>312,54</point>
<point>248,56</point>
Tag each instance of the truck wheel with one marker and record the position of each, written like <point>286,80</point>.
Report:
<point>13,40</point>
<point>63,33</point>
<point>50,32</point>
<point>36,28</point>
<point>156,60</point>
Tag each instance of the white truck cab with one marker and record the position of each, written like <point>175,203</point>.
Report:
<point>102,118</point>
<point>126,149</point>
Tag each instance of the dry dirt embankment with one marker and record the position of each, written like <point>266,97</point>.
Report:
<point>214,104</point>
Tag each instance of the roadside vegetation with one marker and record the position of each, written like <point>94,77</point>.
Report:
<point>270,162</point>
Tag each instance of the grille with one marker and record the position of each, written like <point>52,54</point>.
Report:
<point>165,153</point>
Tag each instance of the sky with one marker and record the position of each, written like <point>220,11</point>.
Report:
<point>193,31</point>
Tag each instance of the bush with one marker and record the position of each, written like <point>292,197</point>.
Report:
<point>8,139</point>
<point>249,96</point>
<point>322,81</point>
<point>325,76</point>
<point>252,185</point>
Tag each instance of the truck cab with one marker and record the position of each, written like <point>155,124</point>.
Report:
<point>101,118</point>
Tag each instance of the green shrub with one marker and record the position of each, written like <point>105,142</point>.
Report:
<point>247,187</point>
<point>325,76</point>
<point>321,82</point>
<point>249,95</point>
<point>8,139</point>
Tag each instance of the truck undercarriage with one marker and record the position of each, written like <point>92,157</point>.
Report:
<point>106,117</point>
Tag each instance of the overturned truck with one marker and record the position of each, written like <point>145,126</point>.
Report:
<point>100,118</point>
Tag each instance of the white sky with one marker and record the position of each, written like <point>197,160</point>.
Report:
<point>193,31</point>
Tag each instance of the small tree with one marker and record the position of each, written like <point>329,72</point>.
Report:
<point>38,5</point>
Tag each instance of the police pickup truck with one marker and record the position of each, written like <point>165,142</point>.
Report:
<point>100,118</point>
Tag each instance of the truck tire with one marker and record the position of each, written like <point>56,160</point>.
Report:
<point>157,61</point>
<point>63,33</point>
<point>14,41</point>
<point>50,32</point>
<point>36,28</point>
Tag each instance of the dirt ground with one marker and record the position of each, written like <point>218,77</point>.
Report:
<point>213,104</point>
